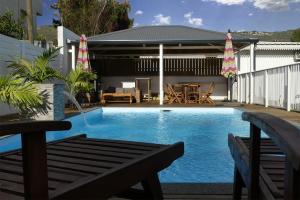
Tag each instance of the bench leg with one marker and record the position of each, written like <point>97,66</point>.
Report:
<point>152,187</point>
<point>237,185</point>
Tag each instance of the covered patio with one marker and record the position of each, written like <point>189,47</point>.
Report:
<point>161,54</point>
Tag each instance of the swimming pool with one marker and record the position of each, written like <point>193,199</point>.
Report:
<point>203,130</point>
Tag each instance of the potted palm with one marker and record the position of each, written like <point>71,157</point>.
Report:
<point>21,95</point>
<point>40,73</point>
<point>79,80</point>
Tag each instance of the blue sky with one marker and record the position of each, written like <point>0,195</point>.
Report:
<point>219,15</point>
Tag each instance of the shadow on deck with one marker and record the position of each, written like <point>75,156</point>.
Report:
<point>195,191</point>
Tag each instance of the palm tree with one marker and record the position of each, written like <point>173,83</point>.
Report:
<point>20,94</point>
<point>39,70</point>
<point>78,80</point>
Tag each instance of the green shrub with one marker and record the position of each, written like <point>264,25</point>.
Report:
<point>9,27</point>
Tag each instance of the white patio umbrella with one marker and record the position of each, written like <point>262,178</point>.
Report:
<point>83,56</point>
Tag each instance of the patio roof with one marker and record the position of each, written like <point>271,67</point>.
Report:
<point>165,35</point>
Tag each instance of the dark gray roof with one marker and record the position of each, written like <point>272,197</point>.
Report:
<point>164,34</point>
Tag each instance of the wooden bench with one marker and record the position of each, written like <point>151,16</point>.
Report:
<point>267,167</point>
<point>79,167</point>
<point>116,97</point>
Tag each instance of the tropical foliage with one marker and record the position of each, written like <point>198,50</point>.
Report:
<point>20,94</point>
<point>9,27</point>
<point>93,17</point>
<point>39,70</point>
<point>79,80</point>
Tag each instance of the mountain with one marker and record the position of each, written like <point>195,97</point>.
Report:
<point>280,36</point>
<point>47,32</point>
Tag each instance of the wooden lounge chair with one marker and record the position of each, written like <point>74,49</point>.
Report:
<point>116,97</point>
<point>268,167</point>
<point>205,96</point>
<point>174,96</point>
<point>78,167</point>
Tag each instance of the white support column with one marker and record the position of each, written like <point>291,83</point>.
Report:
<point>228,89</point>
<point>288,88</point>
<point>73,51</point>
<point>252,69</point>
<point>266,89</point>
<point>161,74</point>
<point>238,89</point>
<point>247,88</point>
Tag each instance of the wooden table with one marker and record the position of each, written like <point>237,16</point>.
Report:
<point>186,87</point>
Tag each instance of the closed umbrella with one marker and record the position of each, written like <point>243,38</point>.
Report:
<point>229,68</point>
<point>83,56</point>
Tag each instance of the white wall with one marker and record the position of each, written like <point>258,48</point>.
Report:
<point>266,59</point>
<point>11,49</point>
<point>220,92</point>
<point>63,35</point>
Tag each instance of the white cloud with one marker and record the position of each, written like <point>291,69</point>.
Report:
<point>193,20</point>
<point>272,5</point>
<point>250,14</point>
<point>160,19</point>
<point>228,2</point>
<point>183,1</point>
<point>139,12</point>
<point>136,24</point>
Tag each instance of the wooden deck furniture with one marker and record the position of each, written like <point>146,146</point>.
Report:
<point>192,92</point>
<point>206,95</point>
<point>174,96</point>
<point>116,97</point>
<point>78,167</point>
<point>268,168</point>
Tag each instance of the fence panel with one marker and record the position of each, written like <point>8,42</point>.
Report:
<point>259,87</point>
<point>243,88</point>
<point>295,87</point>
<point>277,81</point>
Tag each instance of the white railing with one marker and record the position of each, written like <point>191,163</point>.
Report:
<point>277,87</point>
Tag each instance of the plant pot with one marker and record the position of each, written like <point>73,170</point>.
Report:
<point>54,104</point>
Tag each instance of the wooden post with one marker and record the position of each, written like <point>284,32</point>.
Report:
<point>266,89</point>
<point>35,165</point>
<point>29,20</point>
<point>237,185</point>
<point>152,187</point>
<point>291,182</point>
<point>161,74</point>
<point>254,156</point>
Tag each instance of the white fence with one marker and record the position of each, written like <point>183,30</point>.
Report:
<point>277,87</point>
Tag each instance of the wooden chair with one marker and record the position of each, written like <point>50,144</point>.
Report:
<point>205,96</point>
<point>78,167</point>
<point>174,96</point>
<point>268,167</point>
<point>193,93</point>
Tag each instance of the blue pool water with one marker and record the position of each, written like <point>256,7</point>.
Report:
<point>203,130</point>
